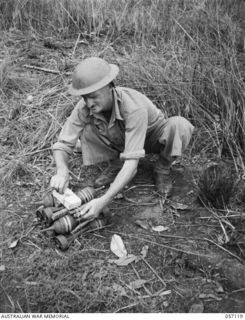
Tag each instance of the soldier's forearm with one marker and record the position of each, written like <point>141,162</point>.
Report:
<point>124,176</point>
<point>61,159</point>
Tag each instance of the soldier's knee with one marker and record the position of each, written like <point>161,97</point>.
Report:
<point>181,123</point>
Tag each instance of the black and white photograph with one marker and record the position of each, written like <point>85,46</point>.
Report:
<point>122,159</point>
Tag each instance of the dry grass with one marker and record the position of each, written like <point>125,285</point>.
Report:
<point>216,185</point>
<point>183,55</point>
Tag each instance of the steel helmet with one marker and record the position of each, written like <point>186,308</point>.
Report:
<point>91,75</point>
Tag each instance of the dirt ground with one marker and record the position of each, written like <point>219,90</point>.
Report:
<point>189,267</point>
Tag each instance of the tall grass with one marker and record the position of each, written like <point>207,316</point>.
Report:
<point>183,54</point>
<point>137,18</point>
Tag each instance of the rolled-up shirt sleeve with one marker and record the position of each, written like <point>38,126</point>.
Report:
<point>72,129</point>
<point>135,134</point>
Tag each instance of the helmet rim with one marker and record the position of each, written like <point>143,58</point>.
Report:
<point>113,72</point>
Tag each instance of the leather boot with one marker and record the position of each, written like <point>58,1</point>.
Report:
<point>109,174</point>
<point>162,178</point>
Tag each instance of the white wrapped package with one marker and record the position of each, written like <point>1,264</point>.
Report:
<point>69,199</point>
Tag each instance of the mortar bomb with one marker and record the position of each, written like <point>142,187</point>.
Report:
<point>63,225</point>
<point>63,242</point>
<point>59,214</point>
<point>45,214</point>
<point>86,194</point>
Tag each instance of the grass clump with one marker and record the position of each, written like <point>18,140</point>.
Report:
<point>216,185</point>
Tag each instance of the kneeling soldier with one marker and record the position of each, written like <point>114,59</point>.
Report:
<point>119,125</point>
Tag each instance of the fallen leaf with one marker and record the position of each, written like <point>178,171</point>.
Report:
<point>137,284</point>
<point>142,224</point>
<point>117,246</point>
<point>197,308</point>
<point>160,228</point>
<point>2,268</point>
<point>178,206</point>
<point>165,304</point>
<point>124,261</point>
<point>144,251</point>
<point>13,244</point>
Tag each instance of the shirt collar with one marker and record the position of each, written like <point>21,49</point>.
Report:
<point>115,115</point>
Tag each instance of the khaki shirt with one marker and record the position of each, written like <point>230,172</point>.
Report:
<point>134,119</point>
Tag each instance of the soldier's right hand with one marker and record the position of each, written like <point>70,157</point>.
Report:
<point>60,182</point>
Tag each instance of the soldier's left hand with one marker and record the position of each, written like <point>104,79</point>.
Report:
<point>91,210</point>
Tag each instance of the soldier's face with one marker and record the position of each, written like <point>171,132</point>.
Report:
<point>100,100</point>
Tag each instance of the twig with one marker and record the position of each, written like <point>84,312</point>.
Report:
<point>94,250</point>
<point>18,304</point>
<point>227,251</point>
<point>155,273</point>
<point>215,215</point>
<point>137,274</point>
<point>126,307</point>
<point>74,49</point>
<point>9,298</point>
<point>180,250</point>
<point>187,34</point>
<point>41,69</point>
<point>140,185</point>
<point>158,294</point>
<point>178,237</point>
<point>36,151</point>
<point>233,211</point>
<point>28,232</point>
<point>225,233</point>
<point>130,288</point>
<point>235,291</point>
<point>68,13</point>
<point>135,202</point>
<point>33,244</point>
<point>159,244</point>
<point>230,216</point>
<point>202,239</point>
